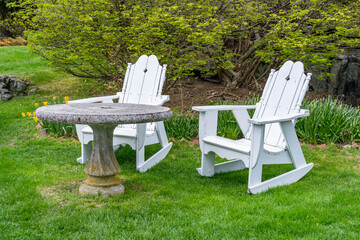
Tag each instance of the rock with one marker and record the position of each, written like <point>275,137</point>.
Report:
<point>345,78</point>
<point>5,96</point>
<point>11,87</point>
<point>18,86</point>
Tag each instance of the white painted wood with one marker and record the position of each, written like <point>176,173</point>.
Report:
<point>270,136</point>
<point>206,127</point>
<point>208,164</point>
<point>242,118</point>
<point>143,84</point>
<point>155,159</point>
<point>222,107</point>
<point>284,179</point>
<point>284,118</point>
<point>106,99</point>
<point>234,165</point>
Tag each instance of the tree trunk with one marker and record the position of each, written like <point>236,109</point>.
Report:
<point>228,77</point>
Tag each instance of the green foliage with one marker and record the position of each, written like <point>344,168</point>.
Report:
<point>96,38</point>
<point>10,25</point>
<point>54,129</point>
<point>85,38</point>
<point>313,31</point>
<point>181,126</point>
<point>330,121</point>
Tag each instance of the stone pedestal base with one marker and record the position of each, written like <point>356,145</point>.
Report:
<point>104,186</point>
<point>102,191</point>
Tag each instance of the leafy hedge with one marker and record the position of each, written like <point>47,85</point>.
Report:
<point>96,38</point>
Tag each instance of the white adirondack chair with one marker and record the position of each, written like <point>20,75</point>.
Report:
<point>142,85</point>
<point>270,136</point>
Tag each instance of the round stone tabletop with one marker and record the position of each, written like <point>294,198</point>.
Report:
<point>103,113</point>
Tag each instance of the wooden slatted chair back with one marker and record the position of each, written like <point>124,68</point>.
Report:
<point>143,81</point>
<point>283,94</point>
<point>143,84</point>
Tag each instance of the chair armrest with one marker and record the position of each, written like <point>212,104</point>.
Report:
<point>105,99</point>
<point>163,99</point>
<point>222,107</point>
<point>208,118</point>
<point>289,117</point>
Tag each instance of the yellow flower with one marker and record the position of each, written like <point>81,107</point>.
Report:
<point>23,114</point>
<point>33,113</point>
<point>66,102</point>
<point>66,98</point>
<point>343,95</point>
<point>29,114</point>
<point>45,103</point>
<point>36,104</point>
<point>54,97</point>
<point>35,119</point>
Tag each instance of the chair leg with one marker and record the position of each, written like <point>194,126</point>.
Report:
<point>258,158</point>
<point>283,179</point>
<point>255,175</point>
<point>143,165</point>
<point>140,157</point>
<point>207,165</point>
<point>86,150</point>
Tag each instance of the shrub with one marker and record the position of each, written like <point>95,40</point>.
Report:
<point>96,38</point>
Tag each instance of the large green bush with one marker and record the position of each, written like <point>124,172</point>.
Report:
<point>96,38</point>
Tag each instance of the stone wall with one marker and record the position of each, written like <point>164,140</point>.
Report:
<point>344,80</point>
<point>11,87</point>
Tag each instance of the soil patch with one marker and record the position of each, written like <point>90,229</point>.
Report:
<point>185,94</point>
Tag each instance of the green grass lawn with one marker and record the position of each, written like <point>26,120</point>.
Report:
<point>39,180</point>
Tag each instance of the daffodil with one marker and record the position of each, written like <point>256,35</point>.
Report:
<point>54,97</point>
<point>45,103</point>
<point>36,104</point>
<point>29,114</point>
<point>35,119</point>
<point>23,114</point>
<point>66,98</point>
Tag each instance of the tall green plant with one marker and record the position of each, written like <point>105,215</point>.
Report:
<point>330,121</point>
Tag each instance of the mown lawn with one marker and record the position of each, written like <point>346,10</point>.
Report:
<point>39,178</point>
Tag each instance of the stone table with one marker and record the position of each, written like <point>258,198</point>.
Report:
<point>102,166</point>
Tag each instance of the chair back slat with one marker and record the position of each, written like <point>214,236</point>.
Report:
<point>151,80</point>
<point>283,94</point>
<point>143,83</point>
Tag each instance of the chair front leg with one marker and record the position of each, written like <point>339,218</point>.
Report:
<point>207,164</point>
<point>207,125</point>
<point>257,149</point>
<point>293,144</point>
<point>139,145</point>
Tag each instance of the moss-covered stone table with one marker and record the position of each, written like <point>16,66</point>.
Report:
<point>102,166</point>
